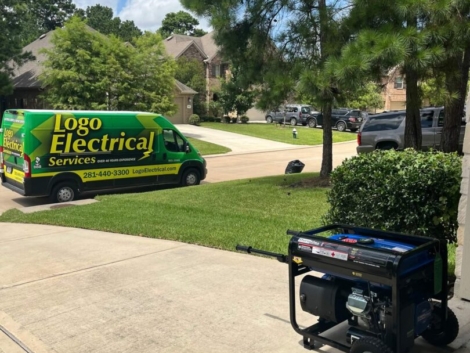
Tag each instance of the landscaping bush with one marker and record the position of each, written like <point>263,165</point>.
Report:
<point>217,120</point>
<point>408,192</point>
<point>194,119</point>
<point>207,119</point>
<point>244,119</point>
<point>233,120</point>
<point>227,119</point>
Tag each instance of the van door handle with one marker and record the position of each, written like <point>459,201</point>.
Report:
<point>164,155</point>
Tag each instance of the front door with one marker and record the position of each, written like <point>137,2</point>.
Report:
<point>173,154</point>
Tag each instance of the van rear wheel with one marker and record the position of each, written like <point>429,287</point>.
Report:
<point>64,192</point>
<point>190,178</point>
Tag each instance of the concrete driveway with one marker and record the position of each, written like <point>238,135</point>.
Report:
<point>74,291</point>
<point>236,142</point>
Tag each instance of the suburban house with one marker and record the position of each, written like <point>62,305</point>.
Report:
<point>205,50</point>
<point>27,87</point>
<point>202,49</point>
<point>394,91</point>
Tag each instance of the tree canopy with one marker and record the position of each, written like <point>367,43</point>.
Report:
<point>11,28</point>
<point>87,70</point>
<point>180,22</point>
<point>42,16</point>
<point>101,18</point>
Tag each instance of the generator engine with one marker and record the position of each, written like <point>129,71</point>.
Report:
<point>366,307</point>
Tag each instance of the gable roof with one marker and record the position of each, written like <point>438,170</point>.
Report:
<point>183,89</point>
<point>27,75</point>
<point>177,44</point>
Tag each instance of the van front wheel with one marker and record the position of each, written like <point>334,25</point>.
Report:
<point>64,192</point>
<point>190,178</point>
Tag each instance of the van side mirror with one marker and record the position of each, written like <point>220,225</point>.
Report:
<point>186,148</point>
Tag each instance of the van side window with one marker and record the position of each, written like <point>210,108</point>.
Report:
<point>426,119</point>
<point>173,141</point>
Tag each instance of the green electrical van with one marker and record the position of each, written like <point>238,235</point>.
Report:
<point>61,154</point>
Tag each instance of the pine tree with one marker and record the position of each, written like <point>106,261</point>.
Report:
<point>280,45</point>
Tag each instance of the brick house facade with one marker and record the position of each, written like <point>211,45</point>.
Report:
<point>204,50</point>
<point>394,92</point>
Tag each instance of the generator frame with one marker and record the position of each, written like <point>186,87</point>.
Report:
<point>327,265</point>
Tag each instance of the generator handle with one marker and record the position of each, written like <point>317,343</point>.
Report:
<point>295,233</point>
<point>250,250</point>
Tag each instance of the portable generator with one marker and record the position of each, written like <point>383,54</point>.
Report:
<point>384,289</point>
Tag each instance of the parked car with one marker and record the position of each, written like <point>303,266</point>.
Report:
<point>387,130</point>
<point>292,113</point>
<point>342,119</point>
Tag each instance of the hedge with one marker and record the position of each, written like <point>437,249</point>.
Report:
<point>408,192</point>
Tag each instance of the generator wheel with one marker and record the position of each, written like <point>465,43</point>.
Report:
<point>370,345</point>
<point>441,334</point>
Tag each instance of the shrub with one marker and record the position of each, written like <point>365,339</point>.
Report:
<point>244,119</point>
<point>408,192</point>
<point>217,120</point>
<point>233,120</point>
<point>227,119</point>
<point>194,119</point>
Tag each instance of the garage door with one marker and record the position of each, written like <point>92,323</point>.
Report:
<point>178,118</point>
<point>397,105</point>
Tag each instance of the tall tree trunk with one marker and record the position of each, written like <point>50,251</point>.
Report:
<point>327,157</point>
<point>413,135</point>
<point>456,85</point>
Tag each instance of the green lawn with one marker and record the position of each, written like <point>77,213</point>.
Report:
<point>254,212</point>
<point>207,148</point>
<point>305,136</point>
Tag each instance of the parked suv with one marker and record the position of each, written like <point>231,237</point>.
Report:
<point>294,114</point>
<point>342,119</point>
<point>387,130</point>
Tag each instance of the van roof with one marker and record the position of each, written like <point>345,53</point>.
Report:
<point>81,111</point>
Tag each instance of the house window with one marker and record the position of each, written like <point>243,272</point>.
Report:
<point>215,70</point>
<point>219,70</point>
<point>224,69</point>
<point>399,83</point>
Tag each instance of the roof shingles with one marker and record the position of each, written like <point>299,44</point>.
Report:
<point>177,44</point>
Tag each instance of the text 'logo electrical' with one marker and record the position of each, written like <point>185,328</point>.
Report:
<point>11,143</point>
<point>70,136</point>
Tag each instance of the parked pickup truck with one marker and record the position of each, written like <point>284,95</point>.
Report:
<point>387,130</point>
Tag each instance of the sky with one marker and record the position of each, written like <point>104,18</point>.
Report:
<point>146,14</point>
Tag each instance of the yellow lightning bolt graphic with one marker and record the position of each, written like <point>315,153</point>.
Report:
<point>149,124</point>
